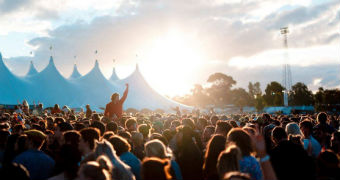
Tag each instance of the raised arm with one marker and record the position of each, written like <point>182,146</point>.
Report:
<point>125,94</point>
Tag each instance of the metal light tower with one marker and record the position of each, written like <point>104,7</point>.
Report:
<point>287,74</point>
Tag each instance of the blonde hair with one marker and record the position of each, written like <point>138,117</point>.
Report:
<point>155,148</point>
<point>228,160</point>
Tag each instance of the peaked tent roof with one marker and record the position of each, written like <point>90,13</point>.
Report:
<point>32,71</point>
<point>75,73</point>
<point>50,87</point>
<point>114,76</point>
<point>95,85</point>
<point>9,91</point>
<point>141,95</point>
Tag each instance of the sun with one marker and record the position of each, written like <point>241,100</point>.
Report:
<point>171,62</point>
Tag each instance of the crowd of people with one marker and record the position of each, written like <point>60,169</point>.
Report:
<point>63,144</point>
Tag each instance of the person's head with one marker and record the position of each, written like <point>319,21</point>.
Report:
<point>228,160</point>
<point>202,123</point>
<point>87,107</point>
<point>71,137</point>
<point>214,147</point>
<point>120,144</point>
<point>278,134</point>
<point>56,106</point>
<point>327,163</point>
<point>35,138</point>
<point>207,133</point>
<point>115,97</point>
<point>293,129</point>
<point>242,139</point>
<point>99,125</point>
<point>112,126</point>
<point>107,135</point>
<point>96,170</point>
<point>155,148</point>
<point>144,129</point>
<point>213,120</point>
<point>131,125</point>
<point>306,128</point>
<point>236,175</point>
<point>62,127</point>
<point>188,122</point>
<point>335,141</point>
<point>322,118</point>
<point>88,139</point>
<point>222,127</point>
<point>18,129</point>
<point>155,169</point>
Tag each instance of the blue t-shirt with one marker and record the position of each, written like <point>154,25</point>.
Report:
<point>39,164</point>
<point>249,164</point>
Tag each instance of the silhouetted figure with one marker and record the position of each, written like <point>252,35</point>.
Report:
<point>114,109</point>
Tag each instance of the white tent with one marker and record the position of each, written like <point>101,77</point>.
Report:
<point>75,73</point>
<point>32,71</point>
<point>141,95</point>
<point>50,87</point>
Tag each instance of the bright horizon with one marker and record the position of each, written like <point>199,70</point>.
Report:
<point>176,43</point>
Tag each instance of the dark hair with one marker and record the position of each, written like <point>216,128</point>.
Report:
<point>322,118</point>
<point>18,127</point>
<point>307,124</point>
<point>144,129</point>
<point>58,120</point>
<point>107,135</point>
<point>64,126</point>
<point>112,126</point>
<point>242,139</point>
<point>125,134</point>
<point>188,122</point>
<point>214,147</point>
<point>213,120</point>
<point>155,169</point>
<point>79,126</point>
<point>72,137</point>
<point>130,122</point>
<point>279,134</point>
<point>233,123</point>
<point>222,127</point>
<point>99,125</point>
<point>90,135</point>
<point>120,144</point>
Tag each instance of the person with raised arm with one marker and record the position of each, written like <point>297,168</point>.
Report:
<point>114,109</point>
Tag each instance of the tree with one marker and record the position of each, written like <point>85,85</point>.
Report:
<point>220,90</point>
<point>221,80</point>
<point>199,96</point>
<point>259,103</point>
<point>274,94</point>
<point>300,95</point>
<point>240,97</point>
<point>254,90</point>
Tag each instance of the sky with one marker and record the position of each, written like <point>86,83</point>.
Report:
<point>176,43</point>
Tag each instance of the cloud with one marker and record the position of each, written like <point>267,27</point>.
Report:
<point>235,33</point>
